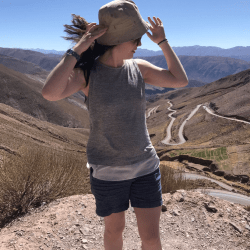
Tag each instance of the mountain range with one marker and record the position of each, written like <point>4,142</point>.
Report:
<point>25,113</point>
<point>238,52</point>
<point>200,69</point>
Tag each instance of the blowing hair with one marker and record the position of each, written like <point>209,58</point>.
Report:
<point>75,32</point>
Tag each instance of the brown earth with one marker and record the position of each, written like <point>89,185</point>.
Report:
<point>179,230</point>
<point>228,97</point>
<point>192,221</point>
<point>23,92</point>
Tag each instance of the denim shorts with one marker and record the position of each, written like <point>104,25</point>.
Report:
<point>114,196</point>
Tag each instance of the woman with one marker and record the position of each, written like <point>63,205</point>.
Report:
<point>123,163</point>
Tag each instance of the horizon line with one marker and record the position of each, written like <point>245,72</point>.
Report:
<point>137,48</point>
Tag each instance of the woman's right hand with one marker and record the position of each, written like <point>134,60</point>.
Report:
<point>93,31</point>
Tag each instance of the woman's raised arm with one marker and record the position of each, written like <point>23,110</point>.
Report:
<point>175,76</point>
<point>58,78</point>
<point>57,81</point>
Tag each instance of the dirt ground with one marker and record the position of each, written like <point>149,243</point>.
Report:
<point>192,221</point>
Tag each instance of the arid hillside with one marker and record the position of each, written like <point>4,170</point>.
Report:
<point>23,92</point>
<point>204,69</point>
<point>45,61</point>
<point>22,66</point>
<point>21,130</point>
<point>224,143</point>
<point>212,143</point>
<point>220,140</point>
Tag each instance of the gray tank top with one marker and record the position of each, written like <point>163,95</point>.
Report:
<point>118,131</point>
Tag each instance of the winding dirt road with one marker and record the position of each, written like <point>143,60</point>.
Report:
<point>180,133</point>
<point>226,195</point>
<point>152,111</point>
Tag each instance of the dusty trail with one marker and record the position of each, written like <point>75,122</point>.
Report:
<point>152,111</point>
<point>180,133</point>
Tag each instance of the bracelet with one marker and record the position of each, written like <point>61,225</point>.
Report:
<point>73,53</point>
<point>163,41</point>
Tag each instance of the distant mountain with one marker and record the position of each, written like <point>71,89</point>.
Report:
<point>49,51</point>
<point>47,62</point>
<point>22,66</point>
<point>239,52</point>
<point>200,69</point>
<point>204,69</point>
<point>229,95</point>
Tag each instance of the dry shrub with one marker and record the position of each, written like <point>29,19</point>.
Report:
<point>172,180</point>
<point>39,176</point>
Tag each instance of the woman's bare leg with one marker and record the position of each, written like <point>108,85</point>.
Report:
<point>114,226</point>
<point>148,220</point>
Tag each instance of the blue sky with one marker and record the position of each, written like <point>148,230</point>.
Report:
<point>39,24</point>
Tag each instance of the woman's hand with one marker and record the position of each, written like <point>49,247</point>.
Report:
<point>93,31</point>
<point>158,33</point>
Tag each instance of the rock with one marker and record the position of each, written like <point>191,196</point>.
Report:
<point>236,227</point>
<point>178,196</point>
<point>20,233</point>
<point>163,208</point>
<point>84,241</point>
<point>247,227</point>
<point>219,172</point>
<point>243,178</point>
<point>165,158</point>
<point>175,212</point>
<point>206,169</point>
<point>213,166</point>
<point>230,177</point>
<point>210,207</point>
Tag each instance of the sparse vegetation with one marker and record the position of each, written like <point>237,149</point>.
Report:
<point>172,180</point>
<point>39,176</point>
<point>42,175</point>
<point>218,154</point>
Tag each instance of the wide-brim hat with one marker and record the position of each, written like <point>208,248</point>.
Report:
<point>123,20</point>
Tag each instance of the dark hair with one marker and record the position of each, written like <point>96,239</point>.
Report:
<point>75,32</point>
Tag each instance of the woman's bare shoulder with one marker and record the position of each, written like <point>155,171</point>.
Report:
<point>141,65</point>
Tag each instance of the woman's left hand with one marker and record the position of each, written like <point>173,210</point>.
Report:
<point>158,33</point>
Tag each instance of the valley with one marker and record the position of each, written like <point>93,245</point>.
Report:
<point>205,129</point>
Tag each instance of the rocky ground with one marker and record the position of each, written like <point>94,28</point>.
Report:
<point>189,221</point>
